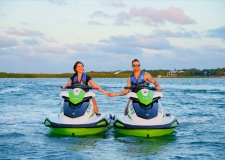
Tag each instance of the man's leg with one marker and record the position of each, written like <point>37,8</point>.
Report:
<point>126,109</point>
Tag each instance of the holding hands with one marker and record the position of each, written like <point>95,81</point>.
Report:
<point>112,95</point>
<point>108,94</point>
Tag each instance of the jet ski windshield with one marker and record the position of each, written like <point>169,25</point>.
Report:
<point>141,86</point>
<point>81,86</point>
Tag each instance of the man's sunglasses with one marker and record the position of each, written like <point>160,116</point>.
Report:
<point>134,65</point>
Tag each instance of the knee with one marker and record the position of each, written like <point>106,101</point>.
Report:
<point>126,111</point>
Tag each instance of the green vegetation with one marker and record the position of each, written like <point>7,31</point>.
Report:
<point>193,72</point>
<point>34,75</point>
<point>186,73</point>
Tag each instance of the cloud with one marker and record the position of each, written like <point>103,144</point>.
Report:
<point>140,41</point>
<point>184,51</point>
<point>2,14</point>
<point>96,49</point>
<point>168,33</point>
<point>130,45</point>
<point>95,23</point>
<point>201,52</point>
<point>119,49</point>
<point>46,49</point>
<point>77,47</point>
<point>6,51</point>
<point>114,3</point>
<point>123,19</point>
<point>30,42</point>
<point>32,49</point>
<point>7,42</point>
<point>212,49</point>
<point>104,48</point>
<point>24,32</point>
<point>217,33</point>
<point>25,23</point>
<point>172,14</point>
<point>19,50</point>
<point>150,16</point>
<point>49,39</point>
<point>58,2</point>
<point>100,14</point>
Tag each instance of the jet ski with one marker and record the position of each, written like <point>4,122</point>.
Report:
<point>76,115</point>
<point>146,117</point>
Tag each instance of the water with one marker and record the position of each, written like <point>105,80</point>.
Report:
<point>198,104</point>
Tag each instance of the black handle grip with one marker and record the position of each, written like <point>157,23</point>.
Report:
<point>82,86</point>
<point>141,87</point>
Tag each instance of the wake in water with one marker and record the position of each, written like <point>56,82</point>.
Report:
<point>196,120</point>
<point>19,120</point>
<point>8,90</point>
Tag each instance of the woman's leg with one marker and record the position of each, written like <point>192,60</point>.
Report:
<point>95,106</point>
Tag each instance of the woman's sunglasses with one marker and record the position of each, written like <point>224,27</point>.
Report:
<point>134,65</point>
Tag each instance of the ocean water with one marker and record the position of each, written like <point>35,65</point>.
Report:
<point>198,104</point>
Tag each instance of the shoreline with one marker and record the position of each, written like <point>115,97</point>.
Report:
<point>122,74</point>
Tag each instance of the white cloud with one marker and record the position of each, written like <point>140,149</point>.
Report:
<point>24,32</point>
<point>217,33</point>
<point>7,42</point>
<point>114,3</point>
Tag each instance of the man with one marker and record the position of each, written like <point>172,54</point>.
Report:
<point>138,77</point>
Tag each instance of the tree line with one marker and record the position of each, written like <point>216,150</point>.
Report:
<point>193,72</point>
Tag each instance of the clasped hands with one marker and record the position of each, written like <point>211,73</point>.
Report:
<point>108,94</point>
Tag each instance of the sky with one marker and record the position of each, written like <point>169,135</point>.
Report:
<point>49,36</point>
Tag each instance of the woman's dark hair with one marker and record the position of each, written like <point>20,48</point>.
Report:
<point>75,65</point>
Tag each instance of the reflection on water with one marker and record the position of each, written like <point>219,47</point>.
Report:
<point>145,146</point>
<point>83,144</point>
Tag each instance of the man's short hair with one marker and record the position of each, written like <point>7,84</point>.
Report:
<point>135,60</point>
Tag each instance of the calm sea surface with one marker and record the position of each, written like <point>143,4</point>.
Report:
<point>198,104</point>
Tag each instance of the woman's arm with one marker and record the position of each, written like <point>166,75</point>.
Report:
<point>93,84</point>
<point>67,84</point>
<point>123,92</point>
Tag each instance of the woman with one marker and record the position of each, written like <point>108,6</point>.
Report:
<point>82,78</point>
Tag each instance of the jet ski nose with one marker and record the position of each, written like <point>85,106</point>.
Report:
<point>112,117</point>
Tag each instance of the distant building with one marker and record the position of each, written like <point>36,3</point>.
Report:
<point>117,72</point>
<point>159,76</point>
<point>180,71</point>
<point>172,73</point>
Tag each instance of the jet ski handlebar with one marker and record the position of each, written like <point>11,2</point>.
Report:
<point>82,86</point>
<point>141,87</point>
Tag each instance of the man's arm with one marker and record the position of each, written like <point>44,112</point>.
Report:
<point>123,92</point>
<point>149,78</point>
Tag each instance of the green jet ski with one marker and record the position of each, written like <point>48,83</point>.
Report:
<point>76,115</point>
<point>146,117</point>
